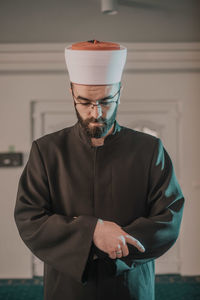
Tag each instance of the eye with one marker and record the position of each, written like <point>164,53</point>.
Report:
<point>106,103</point>
<point>84,102</point>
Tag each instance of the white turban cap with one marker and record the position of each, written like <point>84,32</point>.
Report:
<point>95,63</point>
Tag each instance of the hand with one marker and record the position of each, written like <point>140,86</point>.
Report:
<point>108,236</point>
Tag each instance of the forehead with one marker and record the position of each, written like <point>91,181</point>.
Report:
<point>82,89</point>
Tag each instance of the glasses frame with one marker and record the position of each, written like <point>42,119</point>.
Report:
<point>99,102</point>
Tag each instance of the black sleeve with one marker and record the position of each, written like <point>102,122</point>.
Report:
<point>159,231</point>
<point>63,242</point>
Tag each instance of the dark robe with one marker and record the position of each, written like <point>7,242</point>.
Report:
<point>130,180</point>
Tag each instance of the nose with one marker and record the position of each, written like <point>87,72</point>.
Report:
<point>96,111</point>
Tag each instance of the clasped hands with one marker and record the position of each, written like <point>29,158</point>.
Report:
<point>111,238</point>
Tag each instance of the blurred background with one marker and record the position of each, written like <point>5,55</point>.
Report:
<point>161,96</point>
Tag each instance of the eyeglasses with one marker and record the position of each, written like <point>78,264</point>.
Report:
<point>104,103</point>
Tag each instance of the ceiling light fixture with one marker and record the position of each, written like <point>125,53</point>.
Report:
<point>109,7</point>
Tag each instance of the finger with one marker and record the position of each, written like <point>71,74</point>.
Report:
<point>122,239</point>
<point>119,249</point>
<point>112,255</point>
<point>124,247</point>
<point>135,242</point>
<point>125,250</point>
<point>118,255</point>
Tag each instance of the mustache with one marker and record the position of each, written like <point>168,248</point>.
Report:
<point>95,121</point>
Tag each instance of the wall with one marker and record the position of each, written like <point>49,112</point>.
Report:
<point>60,21</point>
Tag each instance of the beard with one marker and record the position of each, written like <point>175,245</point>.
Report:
<point>96,131</point>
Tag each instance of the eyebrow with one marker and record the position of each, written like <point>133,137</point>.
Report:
<point>83,98</point>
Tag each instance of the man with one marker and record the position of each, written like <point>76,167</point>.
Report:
<point>98,202</point>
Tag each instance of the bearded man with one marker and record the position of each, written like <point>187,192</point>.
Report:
<point>98,202</point>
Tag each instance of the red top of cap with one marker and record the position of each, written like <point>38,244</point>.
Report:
<point>95,45</point>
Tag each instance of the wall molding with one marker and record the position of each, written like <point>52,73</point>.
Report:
<point>141,57</point>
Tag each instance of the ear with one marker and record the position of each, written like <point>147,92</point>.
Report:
<point>120,93</point>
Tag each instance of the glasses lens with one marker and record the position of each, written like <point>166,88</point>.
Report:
<point>105,104</point>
